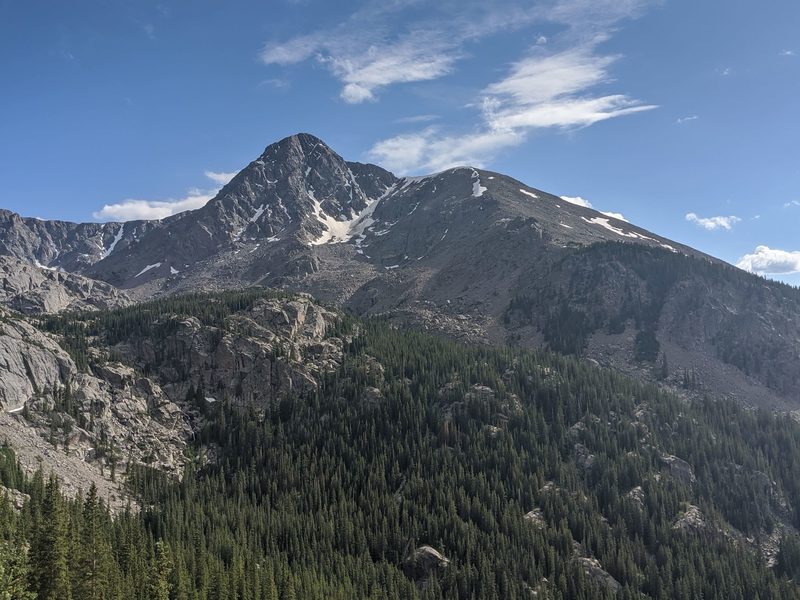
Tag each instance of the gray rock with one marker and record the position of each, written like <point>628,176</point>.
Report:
<point>679,468</point>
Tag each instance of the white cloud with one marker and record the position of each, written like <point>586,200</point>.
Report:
<point>368,51</point>
<point>365,52</point>
<point>725,71</point>
<point>766,260</point>
<point>788,53</point>
<point>220,178</point>
<point>559,85</point>
<point>435,151</point>
<point>713,223</point>
<point>577,200</point>
<point>134,210</point>
<point>615,215</point>
<point>792,204</point>
<point>682,120</point>
<point>540,91</point>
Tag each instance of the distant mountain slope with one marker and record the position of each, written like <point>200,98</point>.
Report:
<point>469,252</point>
<point>61,244</point>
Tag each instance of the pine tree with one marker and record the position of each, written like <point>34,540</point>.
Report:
<point>161,570</point>
<point>94,551</point>
<point>49,549</point>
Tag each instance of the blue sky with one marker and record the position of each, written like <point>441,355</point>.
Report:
<point>681,115</point>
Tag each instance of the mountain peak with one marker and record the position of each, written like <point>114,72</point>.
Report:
<point>299,143</point>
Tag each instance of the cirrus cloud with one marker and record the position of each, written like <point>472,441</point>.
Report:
<point>770,261</point>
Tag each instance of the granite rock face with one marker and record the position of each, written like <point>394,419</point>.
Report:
<point>30,289</point>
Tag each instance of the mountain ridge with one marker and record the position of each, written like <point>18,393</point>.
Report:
<point>473,254</point>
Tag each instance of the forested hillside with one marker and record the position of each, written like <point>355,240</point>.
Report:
<point>422,468</point>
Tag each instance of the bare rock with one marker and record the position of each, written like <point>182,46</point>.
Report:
<point>423,561</point>
<point>592,568</point>
<point>33,289</point>
<point>679,469</point>
<point>691,520</point>
<point>536,518</point>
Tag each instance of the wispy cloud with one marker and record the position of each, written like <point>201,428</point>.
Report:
<point>713,223</point>
<point>788,53</point>
<point>278,83</point>
<point>417,119</point>
<point>558,85</point>
<point>682,120</point>
<point>792,204</point>
<point>368,51</point>
<point>766,260</point>
<point>540,91</point>
<point>365,53</point>
<point>132,209</point>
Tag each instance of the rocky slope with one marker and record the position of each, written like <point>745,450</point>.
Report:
<point>61,244</point>
<point>30,289</point>
<point>117,400</point>
<point>479,256</point>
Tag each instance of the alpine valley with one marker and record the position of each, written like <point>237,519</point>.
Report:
<point>333,382</point>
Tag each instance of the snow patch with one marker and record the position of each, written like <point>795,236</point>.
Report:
<point>392,267</point>
<point>41,266</point>
<point>173,271</point>
<point>527,193</point>
<point>210,400</point>
<point>344,231</point>
<point>605,223</point>
<point>257,214</point>
<point>114,242</point>
<point>477,188</point>
<point>15,410</point>
<point>147,268</point>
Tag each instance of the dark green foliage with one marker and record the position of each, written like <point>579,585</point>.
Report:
<point>327,493</point>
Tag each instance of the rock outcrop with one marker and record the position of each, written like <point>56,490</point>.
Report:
<point>32,289</point>
<point>423,561</point>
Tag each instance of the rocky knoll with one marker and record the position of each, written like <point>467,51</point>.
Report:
<point>31,289</point>
<point>255,357</point>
